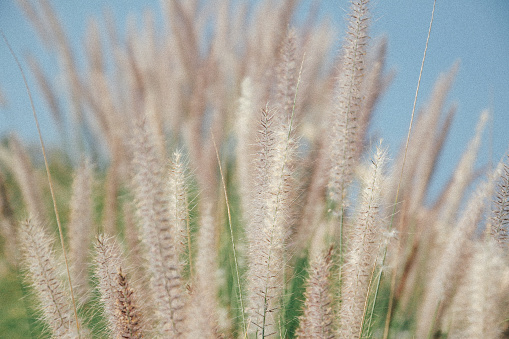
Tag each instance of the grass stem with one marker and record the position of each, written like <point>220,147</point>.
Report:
<point>50,182</point>
<point>241,299</point>
<point>395,269</point>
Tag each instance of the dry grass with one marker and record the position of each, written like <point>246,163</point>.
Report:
<point>236,194</point>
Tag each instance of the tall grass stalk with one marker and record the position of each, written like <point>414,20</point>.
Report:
<point>363,250</point>
<point>57,215</point>
<point>239,286</point>
<point>394,272</point>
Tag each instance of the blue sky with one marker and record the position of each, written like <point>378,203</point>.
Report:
<point>474,32</point>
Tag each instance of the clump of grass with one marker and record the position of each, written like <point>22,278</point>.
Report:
<point>292,233</point>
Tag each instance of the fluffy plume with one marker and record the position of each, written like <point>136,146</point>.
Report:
<point>499,222</point>
<point>348,103</point>
<point>364,246</point>
<point>203,309</point>
<point>287,76</point>
<point>480,308</point>
<point>442,279</point>
<point>268,227</point>
<point>117,297</point>
<point>81,226</point>
<point>177,202</point>
<point>244,131</point>
<point>156,232</point>
<point>108,262</point>
<point>317,320</point>
<point>130,325</point>
<point>42,272</point>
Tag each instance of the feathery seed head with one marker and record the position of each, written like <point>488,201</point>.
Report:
<point>117,297</point>
<point>270,221</point>
<point>365,243</point>
<point>343,139</point>
<point>499,221</point>
<point>81,226</point>
<point>157,234</point>
<point>318,315</point>
<point>177,201</point>
<point>41,266</point>
<point>129,316</point>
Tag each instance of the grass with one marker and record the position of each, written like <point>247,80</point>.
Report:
<point>282,218</point>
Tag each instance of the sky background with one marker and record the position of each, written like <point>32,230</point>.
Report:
<point>472,31</point>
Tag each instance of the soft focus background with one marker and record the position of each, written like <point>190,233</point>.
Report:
<point>474,32</point>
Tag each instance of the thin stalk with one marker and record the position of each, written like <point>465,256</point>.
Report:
<point>25,294</point>
<point>374,299</point>
<point>188,223</point>
<point>368,290</point>
<point>282,320</point>
<point>376,292</point>
<point>341,246</point>
<point>366,300</point>
<point>231,235</point>
<point>393,278</point>
<point>50,182</point>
